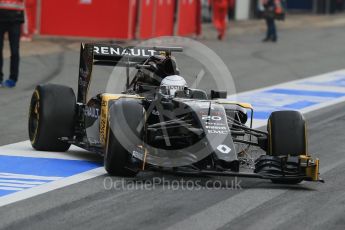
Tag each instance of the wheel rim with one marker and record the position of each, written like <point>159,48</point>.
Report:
<point>34,116</point>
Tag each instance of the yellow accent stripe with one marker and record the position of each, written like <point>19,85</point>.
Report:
<point>317,170</point>
<point>105,113</point>
<point>107,145</point>
<point>306,138</point>
<point>270,135</point>
<point>312,167</point>
<point>108,96</point>
<point>241,104</point>
<point>144,160</point>
<point>38,116</point>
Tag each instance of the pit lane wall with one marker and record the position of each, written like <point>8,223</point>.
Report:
<point>119,19</point>
<point>88,18</point>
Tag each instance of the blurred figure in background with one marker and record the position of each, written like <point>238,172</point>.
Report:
<point>271,9</point>
<point>220,11</point>
<point>231,10</point>
<point>339,5</point>
<point>11,19</point>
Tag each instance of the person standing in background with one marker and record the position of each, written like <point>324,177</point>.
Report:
<point>271,8</point>
<point>11,19</point>
<point>220,11</point>
<point>231,10</point>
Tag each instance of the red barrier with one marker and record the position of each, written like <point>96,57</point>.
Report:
<point>88,18</point>
<point>165,12</point>
<point>29,27</point>
<point>156,18</point>
<point>146,18</point>
<point>188,13</point>
<point>133,16</point>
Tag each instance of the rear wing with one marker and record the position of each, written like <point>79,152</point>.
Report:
<point>113,55</point>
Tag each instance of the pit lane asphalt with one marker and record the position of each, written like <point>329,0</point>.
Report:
<point>299,54</point>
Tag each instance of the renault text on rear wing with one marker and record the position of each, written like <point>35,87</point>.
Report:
<point>112,55</point>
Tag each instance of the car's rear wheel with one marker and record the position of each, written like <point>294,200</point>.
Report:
<point>124,133</point>
<point>287,137</point>
<point>51,116</point>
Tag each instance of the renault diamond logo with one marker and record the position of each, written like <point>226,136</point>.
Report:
<point>224,149</point>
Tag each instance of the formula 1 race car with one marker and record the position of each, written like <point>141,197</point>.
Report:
<point>158,123</point>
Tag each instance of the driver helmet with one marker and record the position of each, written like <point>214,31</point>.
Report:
<point>171,84</point>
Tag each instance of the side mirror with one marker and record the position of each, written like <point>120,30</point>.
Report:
<point>218,94</point>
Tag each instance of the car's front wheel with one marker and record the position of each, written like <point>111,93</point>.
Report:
<point>287,137</point>
<point>124,133</point>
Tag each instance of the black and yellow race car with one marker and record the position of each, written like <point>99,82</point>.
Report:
<point>159,123</point>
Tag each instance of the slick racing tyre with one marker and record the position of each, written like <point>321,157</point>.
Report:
<point>126,115</point>
<point>287,137</point>
<point>287,134</point>
<point>51,116</point>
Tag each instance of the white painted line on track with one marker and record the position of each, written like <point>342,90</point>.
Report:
<point>266,100</point>
<point>16,185</point>
<point>21,182</point>
<point>38,182</point>
<point>294,83</point>
<point>24,149</point>
<point>11,189</point>
<point>29,177</point>
<point>5,200</point>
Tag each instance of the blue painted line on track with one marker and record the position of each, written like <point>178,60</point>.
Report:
<point>17,172</point>
<point>262,115</point>
<point>268,100</point>
<point>306,93</point>
<point>26,180</point>
<point>6,192</point>
<point>44,166</point>
<point>299,105</point>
